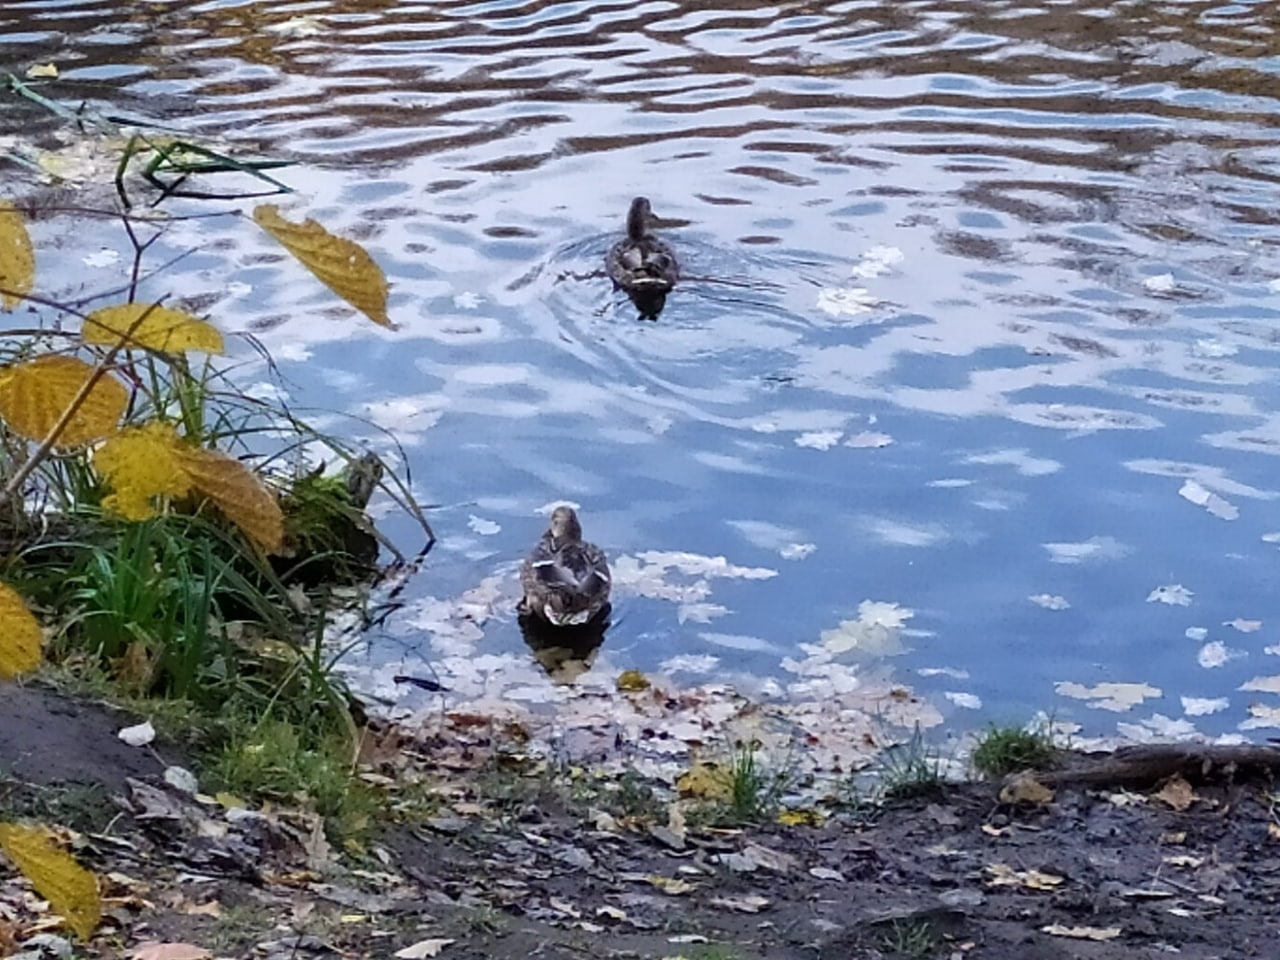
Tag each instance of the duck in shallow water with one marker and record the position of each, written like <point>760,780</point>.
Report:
<point>642,265</point>
<point>566,580</point>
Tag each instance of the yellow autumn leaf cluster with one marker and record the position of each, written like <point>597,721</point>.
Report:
<point>150,461</point>
<point>71,890</point>
<point>341,265</point>
<point>36,394</point>
<point>152,327</point>
<point>20,636</point>
<point>17,258</point>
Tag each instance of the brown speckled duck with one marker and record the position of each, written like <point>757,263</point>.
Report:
<point>566,580</point>
<point>641,264</point>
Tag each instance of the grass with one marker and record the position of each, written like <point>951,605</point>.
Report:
<point>295,763</point>
<point>909,770</point>
<point>1005,750</point>
<point>909,938</point>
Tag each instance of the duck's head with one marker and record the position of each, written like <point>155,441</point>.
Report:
<point>638,218</point>
<point>564,526</point>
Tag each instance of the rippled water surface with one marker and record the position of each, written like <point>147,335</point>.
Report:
<point>979,318</point>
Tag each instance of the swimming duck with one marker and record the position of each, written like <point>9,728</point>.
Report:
<point>566,581</point>
<point>642,265</point>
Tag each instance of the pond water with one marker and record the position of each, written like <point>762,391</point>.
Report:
<point>980,319</point>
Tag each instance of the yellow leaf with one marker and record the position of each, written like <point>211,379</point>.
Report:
<point>1003,875</point>
<point>70,889</point>
<point>17,259</point>
<point>139,464</point>
<point>35,394</point>
<point>632,681</point>
<point>239,493</point>
<point>800,818</point>
<point>341,265</point>
<point>152,327</point>
<point>705,781</point>
<point>19,635</point>
<point>672,886</point>
<point>41,71</point>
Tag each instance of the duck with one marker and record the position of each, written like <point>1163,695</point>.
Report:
<point>642,265</point>
<point>566,580</point>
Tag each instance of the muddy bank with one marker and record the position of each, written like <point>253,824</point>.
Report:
<point>513,861</point>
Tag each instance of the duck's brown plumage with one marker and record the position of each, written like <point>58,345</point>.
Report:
<point>641,264</point>
<point>566,580</point>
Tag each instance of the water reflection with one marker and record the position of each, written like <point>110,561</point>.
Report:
<point>970,294</point>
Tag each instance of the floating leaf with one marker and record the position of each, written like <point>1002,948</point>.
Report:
<point>152,327</point>
<point>19,635</point>
<point>341,265</point>
<point>239,493</point>
<point>17,259</point>
<point>35,394</point>
<point>70,889</point>
<point>141,463</point>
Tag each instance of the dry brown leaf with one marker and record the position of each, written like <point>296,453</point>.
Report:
<point>239,493</point>
<point>71,890</point>
<point>1003,875</point>
<point>17,257</point>
<point>1082,933</point>
<point>35,394</point>
<point>1177,794</point>
<point>152,327</point>
<point>20,637</point>
<point>341,265</point>
<point>155,950</point>
<point>1273,831</point>
<point>1025,788</point>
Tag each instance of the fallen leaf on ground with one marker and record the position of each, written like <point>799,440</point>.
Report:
<point>423,948</point>
<point>672,886</point>
<point>1177,794</point>
<point>752,903</point>
<point>1082,933</point>
<point>1025,788</point>
<point>155,950</point>
<point>1003,875</point>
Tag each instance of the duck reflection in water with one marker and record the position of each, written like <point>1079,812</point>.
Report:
<point>641,264</point>
<point>565,653</point>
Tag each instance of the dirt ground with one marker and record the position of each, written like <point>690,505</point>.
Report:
<point>526,869</point>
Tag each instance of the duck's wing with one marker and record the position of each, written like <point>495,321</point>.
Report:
<point>647,262</point>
